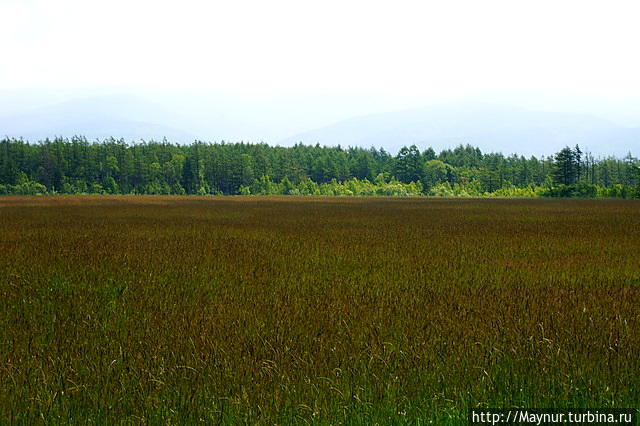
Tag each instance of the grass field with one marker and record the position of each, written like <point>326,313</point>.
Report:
<point>321,310</point>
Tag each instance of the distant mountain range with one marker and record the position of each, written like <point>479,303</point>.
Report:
<point>503,129</point>
<point>507,129</point>
<point>96,118</point>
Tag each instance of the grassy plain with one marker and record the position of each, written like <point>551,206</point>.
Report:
<point>322,310</point>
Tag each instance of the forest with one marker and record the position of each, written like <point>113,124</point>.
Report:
<point>112,166</point>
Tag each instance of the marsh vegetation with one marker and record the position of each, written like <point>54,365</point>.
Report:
<point>341,310</point>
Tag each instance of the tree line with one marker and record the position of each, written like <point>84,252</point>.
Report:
<point>77,166</point>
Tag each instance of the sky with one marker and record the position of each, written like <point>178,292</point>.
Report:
<point>436,48</point>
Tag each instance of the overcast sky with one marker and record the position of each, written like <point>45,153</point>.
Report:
<point>399,47</point>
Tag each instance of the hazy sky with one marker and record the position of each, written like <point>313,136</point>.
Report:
<point>440,47</point>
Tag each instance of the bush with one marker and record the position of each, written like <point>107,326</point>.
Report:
<point>584,190</point>
<point>29,188</point>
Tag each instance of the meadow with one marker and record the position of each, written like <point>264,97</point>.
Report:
<point>166,309</point>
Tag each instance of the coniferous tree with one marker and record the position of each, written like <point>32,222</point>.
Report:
<point>408,165</point>
<point>567,164</point>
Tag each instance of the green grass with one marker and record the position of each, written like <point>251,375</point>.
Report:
<point>322,310</point>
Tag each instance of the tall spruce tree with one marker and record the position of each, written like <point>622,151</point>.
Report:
<point>567,164</point>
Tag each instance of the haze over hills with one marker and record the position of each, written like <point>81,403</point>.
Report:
<point>196,114</point>
<point>326,119</point>
<point>505,129</point>
<point>123,116</point>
